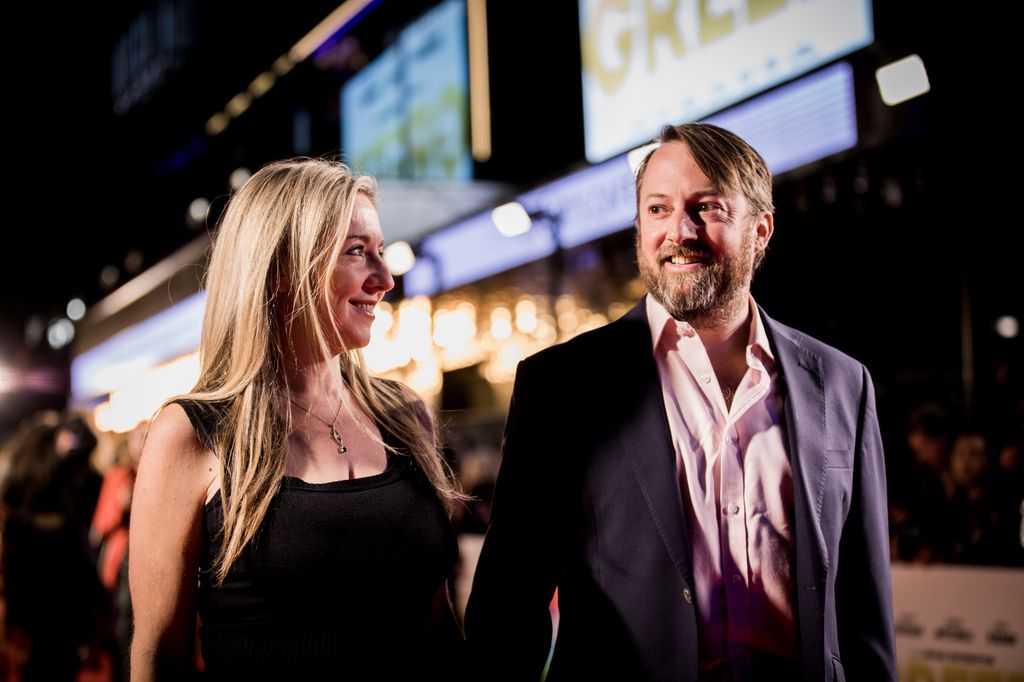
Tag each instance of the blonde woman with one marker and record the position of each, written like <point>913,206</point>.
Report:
<point>295,503</point>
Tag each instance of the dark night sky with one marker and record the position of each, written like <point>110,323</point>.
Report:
<point>85,188</point>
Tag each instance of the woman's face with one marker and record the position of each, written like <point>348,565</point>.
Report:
<point>360,278</point>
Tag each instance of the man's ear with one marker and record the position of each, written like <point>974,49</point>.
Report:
<point>763,230</point>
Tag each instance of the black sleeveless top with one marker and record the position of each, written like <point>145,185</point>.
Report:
<point>341,582</point>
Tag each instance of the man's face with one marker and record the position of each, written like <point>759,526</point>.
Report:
<point>696,243</point>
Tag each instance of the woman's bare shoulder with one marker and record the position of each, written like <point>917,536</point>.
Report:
<point>172,429</point>
<point>174,449</point>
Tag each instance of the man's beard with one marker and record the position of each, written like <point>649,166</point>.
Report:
<point>707,296</point>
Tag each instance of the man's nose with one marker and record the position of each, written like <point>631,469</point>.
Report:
<point>683,229</point>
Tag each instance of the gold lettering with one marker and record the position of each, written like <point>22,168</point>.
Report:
<point>954,673</point>
<point>918,671</point>
<point>662,22</point>
<point>759,9</point>
<point>713,26</point>
<point>987,676</point>
<point>608,78</point>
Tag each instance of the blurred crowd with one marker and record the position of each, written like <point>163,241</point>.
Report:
<point>956,496</point>
<point>65,496</point>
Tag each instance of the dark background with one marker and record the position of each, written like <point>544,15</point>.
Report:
<point>899,283</point>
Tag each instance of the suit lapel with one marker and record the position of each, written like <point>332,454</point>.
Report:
<point>802,378</point>
<point>645,435</point>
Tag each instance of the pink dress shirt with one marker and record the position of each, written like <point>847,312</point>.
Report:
<point>737,488</point>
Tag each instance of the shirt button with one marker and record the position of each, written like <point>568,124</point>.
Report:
<point>732,509</point>
<point>706,378</point>
<point>737,578</point>
<point>687,595</point>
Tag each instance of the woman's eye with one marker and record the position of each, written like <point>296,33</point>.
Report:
<point>356,251</point>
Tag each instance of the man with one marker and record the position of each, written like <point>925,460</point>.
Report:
<point>704,486</point>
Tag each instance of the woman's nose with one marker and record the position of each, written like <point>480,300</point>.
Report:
<point>381,280</point>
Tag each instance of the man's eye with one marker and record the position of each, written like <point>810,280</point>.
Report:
<point>655,210</point>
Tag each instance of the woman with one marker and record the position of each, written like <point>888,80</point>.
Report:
<point>308,498</point>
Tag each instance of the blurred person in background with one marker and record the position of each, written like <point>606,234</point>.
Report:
<point>970,513</point>
<point>54,602</point>
<point>1008,493</point>
<point>109,537</point>
<point>109,531</point>
<point>308,497</point>
<point>916,515</point>
<point>704,486</point>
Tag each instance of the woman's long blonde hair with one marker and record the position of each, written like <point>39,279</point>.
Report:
<point>268,280</point>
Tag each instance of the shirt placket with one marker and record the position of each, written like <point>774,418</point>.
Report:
<point>733,513</point>
<point>735,569</point>
<point>723,447</point>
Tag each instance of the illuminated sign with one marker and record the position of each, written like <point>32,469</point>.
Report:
<point>406,115</point>
<point>136,350</point>
<point>649,62</point>
<point>790,126</point>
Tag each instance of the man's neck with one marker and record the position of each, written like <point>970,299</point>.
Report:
<point>728,327</point>
<point>725,341</point>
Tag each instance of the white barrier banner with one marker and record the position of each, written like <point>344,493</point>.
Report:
<point>959,623</point>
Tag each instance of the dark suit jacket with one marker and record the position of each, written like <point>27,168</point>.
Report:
<point>588,500</point>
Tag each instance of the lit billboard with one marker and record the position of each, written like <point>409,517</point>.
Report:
<point>406,114</point>
<point>651,62</point>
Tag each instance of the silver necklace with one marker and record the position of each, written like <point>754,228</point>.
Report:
<point>335,433</point>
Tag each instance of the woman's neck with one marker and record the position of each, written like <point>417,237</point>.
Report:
<point>314,380</point>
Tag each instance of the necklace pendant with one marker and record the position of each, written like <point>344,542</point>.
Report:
<point>339,440</point>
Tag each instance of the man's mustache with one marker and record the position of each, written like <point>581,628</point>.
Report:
<point>695,250</point>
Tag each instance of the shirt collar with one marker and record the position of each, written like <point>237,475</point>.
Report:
<point>758,343</point>
<point>658,319</point>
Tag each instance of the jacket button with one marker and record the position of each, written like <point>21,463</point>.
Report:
<point>687,595</point>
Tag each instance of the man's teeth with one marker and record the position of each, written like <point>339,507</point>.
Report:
<point>684,260</point>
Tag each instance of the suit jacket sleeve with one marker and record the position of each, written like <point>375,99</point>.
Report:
<point>863,581</point>
<point>508,624</point>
